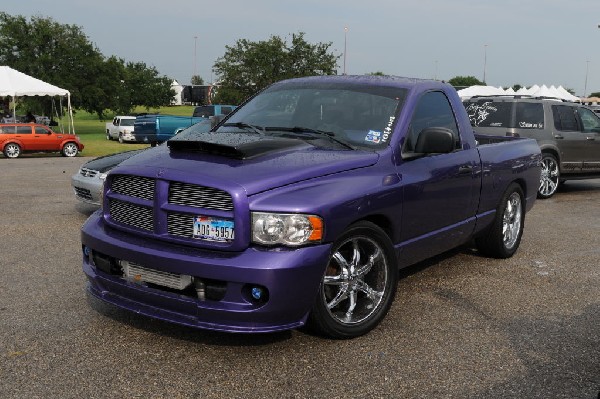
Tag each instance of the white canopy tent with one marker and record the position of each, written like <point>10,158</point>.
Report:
<point>16,84</point>
<point>534,91</point>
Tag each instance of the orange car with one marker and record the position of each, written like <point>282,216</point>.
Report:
<point>17,138</point>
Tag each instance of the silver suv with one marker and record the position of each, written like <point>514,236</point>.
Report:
<point>568,133</point>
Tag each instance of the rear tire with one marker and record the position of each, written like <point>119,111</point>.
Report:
<point>359,283</point>
<point>503,237</point>
<point>12,150</point>
<point>70,150</point>
<point>550,177</point>
<point>108,136</point>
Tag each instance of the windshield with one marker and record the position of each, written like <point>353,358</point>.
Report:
<point>127,122</point>
<point>357,115</point>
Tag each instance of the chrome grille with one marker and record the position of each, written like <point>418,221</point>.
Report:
<point>199,196</point>
<point>180,225</point>
<point>131,214</point>
<point>88,172</point>
<point>134,186</point>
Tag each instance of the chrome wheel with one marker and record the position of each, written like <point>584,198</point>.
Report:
<point>355,280</point>
<point>502,238</point>
<point>511,220</point>
<point>359,283</point>
<point>12,150</point>
<point>70,150</point>
<point>550,177</point>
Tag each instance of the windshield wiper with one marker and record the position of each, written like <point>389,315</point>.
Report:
<point>311,131</point>
<point>242,125</point>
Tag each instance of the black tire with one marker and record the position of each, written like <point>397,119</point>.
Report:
<point>501,240</point>
<point>550,177</point>
<point>108,136</point>
<point>70,150</point>
<point>120,138</point>
<point>359,283</point>
<point>12,150</point>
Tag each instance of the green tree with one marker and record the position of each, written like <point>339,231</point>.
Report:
<point>59,54</point>
<point>465,81</point>
<point>378,73</point>
<point>247,67</point>
<point>197,80</point>
<point>62,55</point>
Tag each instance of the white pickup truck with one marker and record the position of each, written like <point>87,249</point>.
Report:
<point>121,128</point>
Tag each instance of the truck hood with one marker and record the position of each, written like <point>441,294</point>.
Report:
<point>254,167</point>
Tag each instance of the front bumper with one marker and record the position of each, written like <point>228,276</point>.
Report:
<point>292,278</point>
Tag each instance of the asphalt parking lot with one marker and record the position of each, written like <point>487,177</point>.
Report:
<point>462,326</point>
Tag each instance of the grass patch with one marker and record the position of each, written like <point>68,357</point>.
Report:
<point>92,131</point>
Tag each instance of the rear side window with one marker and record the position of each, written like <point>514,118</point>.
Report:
<point>589,120</point>
<point>529,115</point>
<point>41,130</point>
<point>489,113</point>
<point>564,118</point>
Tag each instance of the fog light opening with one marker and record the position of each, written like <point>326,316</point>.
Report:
<point>86,251</point>
<point>256,294</point>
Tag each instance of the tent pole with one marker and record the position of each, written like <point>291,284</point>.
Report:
<point>72,124</point>
<point>15,109</point>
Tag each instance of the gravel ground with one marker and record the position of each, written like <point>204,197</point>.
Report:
<point>462,326</point>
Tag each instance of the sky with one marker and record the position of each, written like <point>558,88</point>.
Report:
<point>526,42</point>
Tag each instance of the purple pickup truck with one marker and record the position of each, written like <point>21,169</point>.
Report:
<point>302,205</point>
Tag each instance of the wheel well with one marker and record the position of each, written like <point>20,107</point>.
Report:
<point>383,223</point>
<point>552,152</point>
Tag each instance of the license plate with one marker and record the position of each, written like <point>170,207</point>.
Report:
<point>208,228</point>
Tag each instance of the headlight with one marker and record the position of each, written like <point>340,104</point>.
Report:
<point>287,229</point>
<point>102,176</point>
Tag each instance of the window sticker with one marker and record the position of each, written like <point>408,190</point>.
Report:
<point>373,137</point>
<point>480,112</point>
<point>388,129</point>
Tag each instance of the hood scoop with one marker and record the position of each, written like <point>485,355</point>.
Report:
<point>232,145</point>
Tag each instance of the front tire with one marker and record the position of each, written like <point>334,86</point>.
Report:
<point>359,283</point>
<point>70,150</point>
<point>550,177</point>
<point>12,150</point>
<point>503,237</point>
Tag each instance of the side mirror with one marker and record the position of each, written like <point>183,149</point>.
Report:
<point>435,140</point>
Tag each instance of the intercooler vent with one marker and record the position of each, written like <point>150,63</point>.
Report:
<point>135,272</point>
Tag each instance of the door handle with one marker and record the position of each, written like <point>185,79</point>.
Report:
<point>558,136</point>
<point>590,138</point>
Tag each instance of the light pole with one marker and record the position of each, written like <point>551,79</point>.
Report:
<point>587,68</point>
<point>484,61</point>
<point>195,43</point>
<point>345,41</point>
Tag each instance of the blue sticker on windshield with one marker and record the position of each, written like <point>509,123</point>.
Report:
<point>373,136</point>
